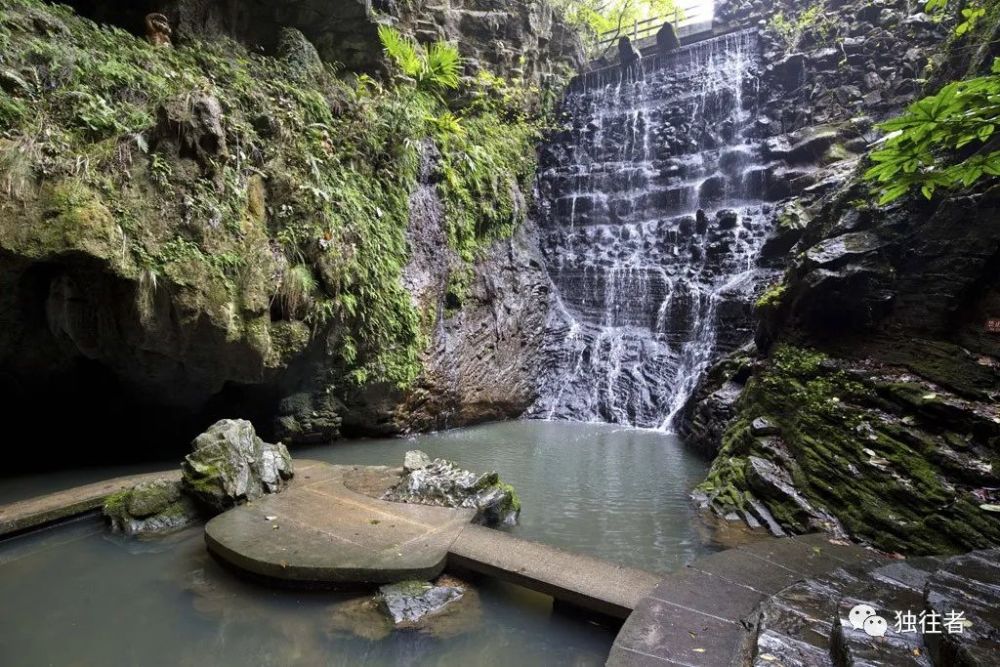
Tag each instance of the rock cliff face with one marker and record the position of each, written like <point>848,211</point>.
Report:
<point>482,359</point>
<point>230,222</point>
<point>870,408</point>
<point>524,39</point>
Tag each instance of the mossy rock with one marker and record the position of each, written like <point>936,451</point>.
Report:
<point>150,508</point>
<point>883,471</point>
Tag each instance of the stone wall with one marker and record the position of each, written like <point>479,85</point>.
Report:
<point>524,39</point>
<point>870,410</point>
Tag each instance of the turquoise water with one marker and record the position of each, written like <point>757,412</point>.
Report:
<point>75,595</point>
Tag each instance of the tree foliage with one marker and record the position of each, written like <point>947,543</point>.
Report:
<point>945,140</point>
<point>598,16</point>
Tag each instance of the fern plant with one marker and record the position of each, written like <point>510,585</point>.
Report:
<point>433,70</point>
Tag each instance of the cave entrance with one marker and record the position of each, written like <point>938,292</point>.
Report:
<point>129,16</point>
<point>85,416</point>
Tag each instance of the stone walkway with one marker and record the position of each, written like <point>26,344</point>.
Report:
<point>694,616</point>
<point>591,583</point>
<point>331,528</point>
<point>53,507</point>
<point>323,532</point>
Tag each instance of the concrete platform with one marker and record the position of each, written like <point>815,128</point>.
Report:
<point>331,529</point>
<point>53,507</point>
<point>322,532</point>
<point>590,583</point>
<point>693,617</point>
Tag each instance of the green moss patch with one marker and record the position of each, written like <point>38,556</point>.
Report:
<point>888,469</point>
<point>293,203</point>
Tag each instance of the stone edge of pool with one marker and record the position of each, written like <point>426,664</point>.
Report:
<point>691,617</point>
<point>41,511</point>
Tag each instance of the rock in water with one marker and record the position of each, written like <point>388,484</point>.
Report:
<point>409,601</point>
<point>415,460</point>
<point>231,465</point>
<point>149,508</point>
<point>444,608</point>
<point>441,482</point>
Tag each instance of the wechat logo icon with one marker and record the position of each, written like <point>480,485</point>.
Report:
<point>863,617</point>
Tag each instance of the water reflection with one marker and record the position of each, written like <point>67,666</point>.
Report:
<point>76,595</point>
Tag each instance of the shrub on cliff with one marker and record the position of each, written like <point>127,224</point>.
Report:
<point>946,140</point>
<point>267,198</point>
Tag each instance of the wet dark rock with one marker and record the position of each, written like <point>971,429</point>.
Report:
<point>727,218</point>
<point>789,71</point>
<point>966,584</point>
<point>701,221</point>
<point>712,405</point>
<point>410,601</point>
<point>762,426</point>
<point>809,623</point>
<point>836,252</point>
<point>150,508</point>
<point>231,465</point>
<point>441,482</point>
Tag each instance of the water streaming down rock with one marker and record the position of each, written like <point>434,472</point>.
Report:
<point>652,215</point>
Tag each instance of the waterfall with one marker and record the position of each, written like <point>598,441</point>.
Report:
<point>652,218</point>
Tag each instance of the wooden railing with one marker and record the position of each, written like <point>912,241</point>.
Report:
<point>684,14</point>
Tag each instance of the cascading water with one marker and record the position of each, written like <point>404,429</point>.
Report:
<point>652,219</point>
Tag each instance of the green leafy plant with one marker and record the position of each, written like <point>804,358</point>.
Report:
<point>599,16</point>
<point>944,140</point>
<point>792,29</point>
<point>970,14</point>
<point>435,69</point>
<point>317,179</point>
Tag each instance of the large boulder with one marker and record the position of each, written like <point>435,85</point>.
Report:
<point>441,482</point>
<point>231,465</point>
<point>150,508</point>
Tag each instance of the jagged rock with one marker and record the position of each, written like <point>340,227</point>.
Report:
<point>864,449</point>
<point>150,508</point>
<point>809,623</point>
<point>441,482</point>
<point>838,251</point>
<point>410,601</point>
<point>415,460</point>
<point>712,405</point>
<point>763,426</point>
<point>231,465</point>
<point>444,608</point>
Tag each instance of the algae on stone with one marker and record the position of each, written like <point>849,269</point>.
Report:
<point>230,465</point>
<point>870,452</point>
<point>150,508</point>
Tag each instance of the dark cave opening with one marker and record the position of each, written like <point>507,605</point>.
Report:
<point>130,16</point>
<point>73,400</point>
<point>86,416</point>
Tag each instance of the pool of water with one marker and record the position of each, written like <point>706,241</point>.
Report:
<point>75,595</point>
